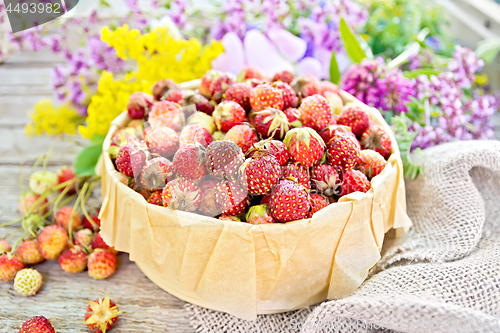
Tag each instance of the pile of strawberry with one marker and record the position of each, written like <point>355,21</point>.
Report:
<point>249,148</point>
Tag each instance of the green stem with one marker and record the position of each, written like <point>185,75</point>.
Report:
<point>16,245</point>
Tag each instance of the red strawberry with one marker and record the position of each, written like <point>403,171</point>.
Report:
<point>139,104</point>
<point>306,86</point>
<point>289,201</point>
<point>201,102</point>
<point>219,86</point>
<point>332,130</point>
<point>371,163</point>
<point>290,99</point>
<point>343,152</point>
<point>9,266</point>
<point>250,72</point>
<point>265,199</point>
<point>162,141</point>
<point>227,217</point>
<point>101,315</point>
<point>293,116</point>
<point>273,147</point>
<point>284,76</point>
<point>228,114</point>
<point>239,93</point>
<point>156,173</point>
<point>327,86</point>
<point>207,205</point>
<point>377,139</point>
<point>266,96</point>
<point>260,214</point>
<point>166,113</point>
<point>356,118</point>
<point>27,203</point>
<point>101,264</point>
<point>38,324</point>
<point>261,174</point>
<point>304,146</point>
<point>270,123</point>
<point>99,243</point>
<point>231,196</point>
<point>224,159</point>
<point>181,194</point>
<point>315,112</point>
<point>155,198</point>
<point>189,161</point>
<point>299,172</point>
<point>354,181</point>
<point>206,82</point>
<point>318,202</point>
<point>92,225</point>
<point>67,218</point>
<point>243,135</point>
<point>161,87</point>
<point>195,133</point>
<point>73,260</point>
<point>52,241</point>
<point>131,159</point>
<point>326,179</point>
<point>64,175</point>
<point>174,95</point>
<point>29,252</point>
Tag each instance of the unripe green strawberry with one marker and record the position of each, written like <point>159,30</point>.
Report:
<point>266,96</point>
<point>29,252</point>
<point>304,146</point>
<point>343,152</point>
<point>289,201</point>
<point>243,135</point>
<point>356,118</point>
<point>370,163</point>
<point>297,171</point>
<point>270,123</point>
<point>73,260</point>
<point>38,324</point>
<point>9,266</point>
<point>181,194</point>
<point>261,174</point>
<point>239,93</point>
<point>42,181</point>
<point>315,112</point>
<point>260,214</point>
<point>227,115</point>
<point>101,264</point>
<point>354,181</point>
<point>189,161</point>
<point>52,241</point>
<point>27,282</point>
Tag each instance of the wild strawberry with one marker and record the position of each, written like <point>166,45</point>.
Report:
<point>332,130</point>
<point>38,324</point>
<point>343,152</point>
<point>139,104</point>
<point>219,135</point>
<point>83,237</point>
<point>135,124</point>
<point>9,266</point>
<point>293,116</point>
<point>306,86</point>
<point>101,264</point>
<point>93,224</point>
<point>64,175</point>
<point>254,82</point>
<point>73,260</point>
<point>354,181</point>
<point>166,113</point>
<point>124,136</point>
<point>265,199</point>
<point>370,163</point>
<point>220,85</point>
<point>261,174</point>
<point>274,147</point>
<point>304,146</point>
<point>207,205</point>
<point>67,218</point>
<point>290,99</point>
<point>335,102</point>
<point>99,243</point>
<point>195,133</point>
<point>4,246</point>
<point>174,95</point>
<point>266,96</point>
<point>101,315</point>
<point>203,120</point>
<point>239,93</point>
<point>243,135</point>
<point>201,103</point>
<point>270,123</point>
<point>27,203</point>
<point>375,138</point>
<point>189,161</point>
<point>231,196</point>
<point>289,201</point>
<point>227,217</point>
<point>260,214</point>
<point>156,173</point>
<point>250,72</point>
<point>162,141</point>
<point>318,202</point>
<point>315,112</point>
<point>327,86</point>
<point>299,172</point>
<point>42,181</point>
<point>29,252</point>
<point>325,179</point>
<point>223,159</point>
<point>155,198</point>
<point>52,241</point>
<point>228,114</point>
<point>284,76</point>
<point>206,82</point>
<point>181,194</point>
<point>131,159</point>
<point>161,87</point>
<point>27,282</point>
<point>356,118</point>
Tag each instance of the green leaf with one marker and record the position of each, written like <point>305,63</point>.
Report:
<point>86,160</point>
<point>488,49</point>
<point>351,43</point>
<point>422,71</point>
<point>422,35</point>
<point>404,56</point>
<point>334,69</point>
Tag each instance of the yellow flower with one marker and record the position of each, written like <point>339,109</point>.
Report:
<point>49,119</point>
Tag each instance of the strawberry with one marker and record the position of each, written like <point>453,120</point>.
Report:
<point>261,174</point>
<point>41,181</point>
<point>250,72</point>
<point>83,238</point>
<point>4,246</point>
<point>220,85</point>
<point>189,161</point>
<point>266,96</point>
<point>99,243</point>
<point>343,152</point>
<point>274,147</point>
<point>299,172</point>
<point>138,105</point>
<point>289,201</point>
<point>228,114</point>
<point>243,135</point>
<point>332,130</point>
<point>135,124</point>
<point>326,179</point>
<point>155,198</point>
<point>370,163</point>
<point>304,146</point>
<point>239,93</point>
<point>265,199</point>
<point>101,315</point>
<point>166,113</point>
<point>101,264</point>
<point>38,324</point>
<point>64,175</point>
<point>156,173</point>
<point>131,159</point>
<point>315,112</point>
<point>218,135</point>
<point>284,76</point>
<point>27,203</point>
<point>29,252</point>
<point>231,196</point>
<point>93,224</point>
<point>161,87</point>
<point>335,101</point>
<point>270,123</point>
<point>181,194</point>
<point>327,86</point>
<point>260,214</point>
<point>203,120</point>
<point>207,205</point>
<point>174,95</point>
<point>27,282</point>
<point>375,138</point>
<point>52,241</point>
<point>231,218</point>
<point>356,118</point>
<point>123,136</point>
<point>206,82</point>
<point>223,159</point>
<point>73,260</point>
<point>290,99</point>
<point>354,181</point>
<point>9,266</point>
<point>67,218</point>
<point>195,133</point>
<point>163,141</point>
<point>306,86</point>
<point>318,202</point>
<point>293,116</point>
<point>254,82</point>
<point>201,103</point>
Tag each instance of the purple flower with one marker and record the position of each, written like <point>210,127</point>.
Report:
<point>464,65</point>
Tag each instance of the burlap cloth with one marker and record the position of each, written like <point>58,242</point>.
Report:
<point>444,277</point>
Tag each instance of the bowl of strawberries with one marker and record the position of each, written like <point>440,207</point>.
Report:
<point>251,195</point>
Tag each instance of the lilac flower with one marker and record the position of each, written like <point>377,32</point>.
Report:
<point>103,56</point>
<point>177,12</point>
<point>464,65</point>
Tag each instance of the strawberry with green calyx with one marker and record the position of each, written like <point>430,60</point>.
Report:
<point>250,72</point>
<point>315,112</point>
<point>259,214</point>
<point>274,147</point>
<point>298,172</point>
<point>38,324</point>
<point>270,123</point>
<point>356,118</point>
<point>325,179</point>
<point>207,204</point>
<point>289,201</point>
<point>138,105</point>
<point>101,315</point>
<point>318,202</point>
<point>189,161</point>
<point>162,87</point>
<point>219,86</point>
<point>223,159</point>
<point>163,141</point>
<point>266,96</point>
<point>228,114</point>
<point>293,116</point>
<point>330,131</point>
<point>376,138</point>
<point>343,152</point>
<point>231,196</point>
<point>156,173</point>
<point>304,146</point>
<point>284,76</point>
<point>306,86</point>
<point>155,198</point>
<point>371,163</point>
<point>203,120</point>
<point>9,266</point>
<point>239,93</point>
<point>243,135</point>
<point>354,181</point>
<point>261,174</point>
<point>290,99</point>
<point>181,194</point>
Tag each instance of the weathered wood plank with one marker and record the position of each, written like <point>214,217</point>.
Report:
<point>25,77</point>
